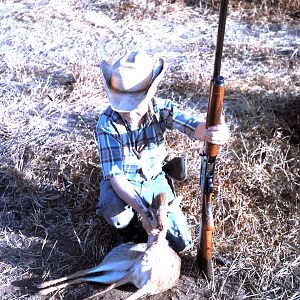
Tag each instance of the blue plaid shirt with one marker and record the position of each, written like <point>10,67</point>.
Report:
<point>116,140</point>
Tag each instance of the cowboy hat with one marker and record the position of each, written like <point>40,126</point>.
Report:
<point>131,80</point>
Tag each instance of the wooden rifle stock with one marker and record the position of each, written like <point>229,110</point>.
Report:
<point>210,152</point>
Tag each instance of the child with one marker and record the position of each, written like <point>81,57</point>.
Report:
<point>132,148</point>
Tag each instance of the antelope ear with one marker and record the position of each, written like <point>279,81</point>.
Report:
<point>142,202</point>
<point>159,200</point>
<point>145,203</point>
<point>176,201</point>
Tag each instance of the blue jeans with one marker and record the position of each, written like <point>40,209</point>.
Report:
<point>118,213</point>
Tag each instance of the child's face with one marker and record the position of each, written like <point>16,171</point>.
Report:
<point>134,116</point>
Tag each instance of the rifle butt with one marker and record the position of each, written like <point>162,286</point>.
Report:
<point>204,253</point>
<point>205,241</point>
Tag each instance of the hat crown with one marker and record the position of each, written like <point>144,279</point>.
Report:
<point>131,80</point>
<point>132,73</point>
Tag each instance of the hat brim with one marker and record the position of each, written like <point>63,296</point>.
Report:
<point>125,102</point>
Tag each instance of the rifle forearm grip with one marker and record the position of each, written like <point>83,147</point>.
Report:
<point>214,111</point>
<point>215,104</point>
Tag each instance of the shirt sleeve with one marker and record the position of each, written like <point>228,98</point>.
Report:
<point>110,153</point>
<point>180,120</point>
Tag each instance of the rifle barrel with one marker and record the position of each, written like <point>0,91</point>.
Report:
<point>220,37</point>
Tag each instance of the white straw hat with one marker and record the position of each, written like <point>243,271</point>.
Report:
<point>131,79</point>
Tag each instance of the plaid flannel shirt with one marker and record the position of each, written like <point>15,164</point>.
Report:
<point>116,140</point>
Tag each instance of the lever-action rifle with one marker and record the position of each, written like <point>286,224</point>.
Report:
<point>210,152</point>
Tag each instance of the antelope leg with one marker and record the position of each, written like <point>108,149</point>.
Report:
<point>107,266</point>
<point>51,289</point>
<point>108,277</point>
<point>109,288</point>
<point>139,293</point>
<point>65,278</point>
<point>126,279</point>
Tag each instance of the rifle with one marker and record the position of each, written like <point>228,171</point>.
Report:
<point>210,152</point>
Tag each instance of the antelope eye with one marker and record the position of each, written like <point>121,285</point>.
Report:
<point>149,215</point>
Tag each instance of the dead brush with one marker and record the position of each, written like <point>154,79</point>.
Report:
<point>138,10</point>
<point>49,166</point>
<point>256,202</point>
<point>256,8</point>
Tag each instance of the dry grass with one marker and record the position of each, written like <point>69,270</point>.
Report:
<point>50,100</point>
<point>271,9</point>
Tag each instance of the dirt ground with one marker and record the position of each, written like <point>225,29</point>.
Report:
<point>51,96</point>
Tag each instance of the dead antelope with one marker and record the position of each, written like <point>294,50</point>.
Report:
<point>153,267</point>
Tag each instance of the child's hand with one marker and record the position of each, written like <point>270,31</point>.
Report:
<point>218,134</point>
